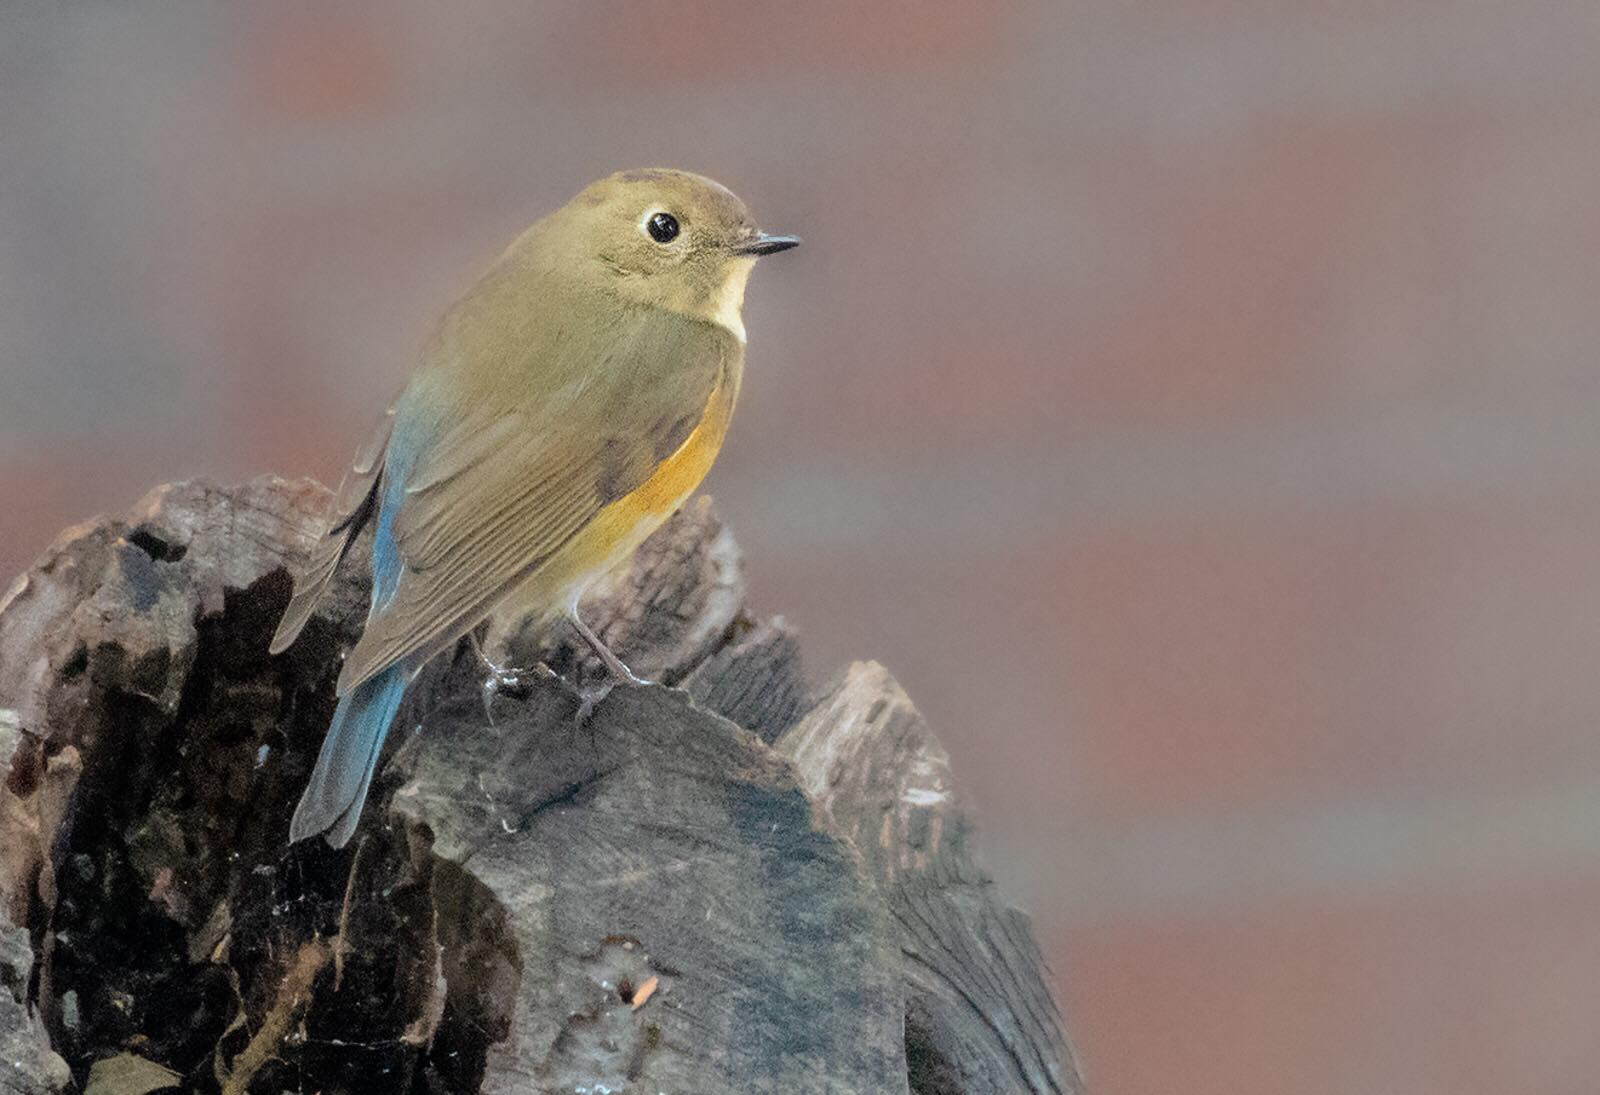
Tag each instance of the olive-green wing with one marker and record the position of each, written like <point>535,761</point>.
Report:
<point>472,527</point>
<point>352,506</point>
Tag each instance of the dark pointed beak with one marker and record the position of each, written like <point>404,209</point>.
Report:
<point>763,244</point>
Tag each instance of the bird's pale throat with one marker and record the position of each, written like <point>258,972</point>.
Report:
<point>728,301</point>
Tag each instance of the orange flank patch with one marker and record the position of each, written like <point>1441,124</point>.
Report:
<point>676,477</point>
<point>609,540</point>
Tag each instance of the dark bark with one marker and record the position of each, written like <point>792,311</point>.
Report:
<point>28,1066</point>
<point>656,900</point>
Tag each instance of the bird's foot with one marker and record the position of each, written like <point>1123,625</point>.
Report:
<point>590,696</point>
<point>508,680</point>
<point>616,668</point>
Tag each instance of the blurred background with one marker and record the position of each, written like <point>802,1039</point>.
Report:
<point>1195,404</point>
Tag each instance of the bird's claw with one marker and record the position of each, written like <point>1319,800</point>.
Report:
<point>509,681</point>
<point>591,696</point>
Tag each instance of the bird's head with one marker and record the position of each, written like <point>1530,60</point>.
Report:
<point>667,239</point>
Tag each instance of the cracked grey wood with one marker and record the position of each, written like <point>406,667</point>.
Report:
<point>527,903</point>
<point>757,680</point>
<point>679,833</point>
<point>980,1019</point>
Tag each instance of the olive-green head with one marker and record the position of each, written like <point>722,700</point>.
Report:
<point>666,239</point>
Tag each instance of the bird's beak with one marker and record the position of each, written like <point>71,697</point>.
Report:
<point>763,244</point>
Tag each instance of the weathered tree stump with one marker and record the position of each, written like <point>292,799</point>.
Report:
<point>729,885</point>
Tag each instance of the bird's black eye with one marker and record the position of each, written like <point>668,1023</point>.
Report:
<point>663,227</point>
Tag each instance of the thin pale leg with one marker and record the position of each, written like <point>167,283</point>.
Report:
<point>620,673</point>
<point>602,651</point>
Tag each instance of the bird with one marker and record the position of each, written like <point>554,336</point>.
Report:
<point>565,406</point>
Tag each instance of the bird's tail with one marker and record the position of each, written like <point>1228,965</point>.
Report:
<point>338,786</point>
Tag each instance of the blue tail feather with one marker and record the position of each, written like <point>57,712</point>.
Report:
<point>338,786</point>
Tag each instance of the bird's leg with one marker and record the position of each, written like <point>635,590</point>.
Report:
<point>501,678</point>
<point>620,673</point>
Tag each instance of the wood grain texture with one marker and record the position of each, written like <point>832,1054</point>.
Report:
<point>979,1014</point>
<point>806,918</point>
<point>659,841</point>
<point>757,679</point>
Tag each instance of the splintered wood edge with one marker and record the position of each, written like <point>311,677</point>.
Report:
<point>865,757</point>
<point>878,777</point>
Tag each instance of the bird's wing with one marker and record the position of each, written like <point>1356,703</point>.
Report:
<point>500,492</point>
<point>352,506</point>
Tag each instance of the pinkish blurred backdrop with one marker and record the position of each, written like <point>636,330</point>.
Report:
<point>1195,404</point>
